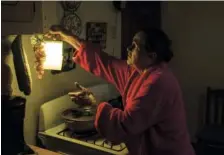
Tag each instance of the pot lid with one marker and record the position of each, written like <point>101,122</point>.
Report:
<point>75,114</point>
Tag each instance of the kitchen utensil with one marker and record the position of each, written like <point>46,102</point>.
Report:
<point>22,68</point>
<point>80,120</point>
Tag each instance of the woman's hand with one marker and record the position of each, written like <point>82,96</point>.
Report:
<point>84,97</point>
<point>57,32</point>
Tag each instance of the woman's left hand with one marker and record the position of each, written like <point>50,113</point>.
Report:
<point>83,97</point>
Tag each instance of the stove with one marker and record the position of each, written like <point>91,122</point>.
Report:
<point>54,135</point>
<point>93,142</point>
<point>92,138</point>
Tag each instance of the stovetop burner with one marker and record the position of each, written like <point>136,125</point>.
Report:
<point>92,138</point>
<point>68,133</point>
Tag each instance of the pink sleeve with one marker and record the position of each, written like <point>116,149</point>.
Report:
<point>90,58</point>
<point>139,114</point>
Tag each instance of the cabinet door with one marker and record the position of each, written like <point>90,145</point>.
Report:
<point>17,11</point>
<point>23,17</point>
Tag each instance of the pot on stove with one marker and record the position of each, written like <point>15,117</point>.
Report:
<point>80,120</point>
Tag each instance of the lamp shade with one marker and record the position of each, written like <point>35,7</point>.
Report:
<point>54,55</point>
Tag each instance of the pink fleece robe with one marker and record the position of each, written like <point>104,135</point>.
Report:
<point>153,121</point>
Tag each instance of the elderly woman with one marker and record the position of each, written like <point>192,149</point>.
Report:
<point>153,120</point>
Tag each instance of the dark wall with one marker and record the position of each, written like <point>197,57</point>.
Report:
<point>135,16</point>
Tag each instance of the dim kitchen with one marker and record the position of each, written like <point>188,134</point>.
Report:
<point>71,83</point>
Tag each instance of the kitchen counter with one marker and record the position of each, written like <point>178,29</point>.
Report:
<point>42,151</point>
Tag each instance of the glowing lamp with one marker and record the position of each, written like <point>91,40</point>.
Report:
<point>54,55</point>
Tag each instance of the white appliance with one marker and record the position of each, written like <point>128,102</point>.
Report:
<point>56,137</point>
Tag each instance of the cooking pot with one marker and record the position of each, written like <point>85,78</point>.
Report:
<point>80,120</point>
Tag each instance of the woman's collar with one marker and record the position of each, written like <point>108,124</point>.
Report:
<point>152,67</point>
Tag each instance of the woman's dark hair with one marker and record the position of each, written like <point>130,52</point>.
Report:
<point>157,41</point>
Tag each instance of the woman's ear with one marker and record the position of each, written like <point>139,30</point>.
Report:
<point>153,55</point>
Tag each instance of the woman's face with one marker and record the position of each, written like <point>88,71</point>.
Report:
<point>138,56</point>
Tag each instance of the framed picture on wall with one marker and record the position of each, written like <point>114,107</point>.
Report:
<point>96,32</point>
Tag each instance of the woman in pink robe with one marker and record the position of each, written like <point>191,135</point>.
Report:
<point>153,120</point>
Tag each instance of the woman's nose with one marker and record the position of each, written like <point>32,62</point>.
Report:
<point>129,52</point>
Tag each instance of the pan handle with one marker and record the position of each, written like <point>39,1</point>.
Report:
<point>68,121</point>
